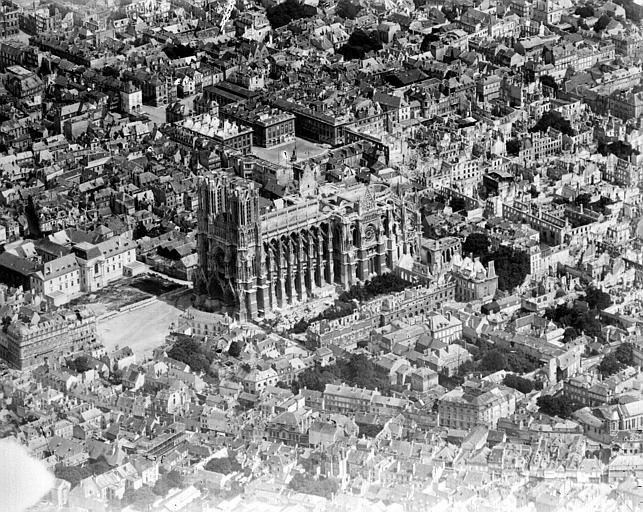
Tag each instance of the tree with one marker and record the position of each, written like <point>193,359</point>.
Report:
<point>513,147</point>
<point>324,487</point>
<point>597,299</point>
<point>223,465</point>
<point>518,383</point>
<point>493,361</point>
<point>549,81</point>
<point>426,42</point>
<point>570,334</point>
<point>585,11</point>
<point>476,244</point>
<point>73,474</point>
<point>98,466</point>
<point>235,349</point>
<point>6,322</point>
<point>558,405</point>
<point>379,285</point>
<point>602,23</point>
<point>361,371</point>
<point>80,364</point>
<point>520,363</point>
<point>191,353</point>
<point>624,354</point>
<point>33,220</point>
<point>583,199</point>
<point>140,498</point>
<point>347,9</point>
<point>458,204</point>
<point>554,119</point>
<point>45,67</point>
<point>285,12</point>
<point>359,44</point>
<point>577,317</point>
<point>369,430</point>
<point>139,231</point>
<point>511,266</point>
<point>610,365</point>
<point>466,368</point>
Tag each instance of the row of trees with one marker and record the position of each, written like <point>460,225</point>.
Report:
<point>385,283</point>
<point>358,370</point>
<point>495,360</point>
<point>379,285</point>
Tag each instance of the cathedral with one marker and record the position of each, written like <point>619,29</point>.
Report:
<point>256,255</point>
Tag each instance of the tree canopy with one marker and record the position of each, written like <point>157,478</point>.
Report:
<point>359,44</point>
<point>223,465</point>
<point>521,384</point>
<point>347,9</point>
<point>493,361</point>
<point>610,365</point>
<point>234,349</point>
<point>597,299</point>
<point>557,405</point>
<point>476,244</point>
<point>555,120</point>
<point>324,487</point>
<point>624,353</point>
<point>581,319</point>
<point>192,353</point>
<point>585,11</point>
<point>358,370</point>
<point>379,285</point>
<point>511,266</point>
<point>282,14</point>
<point>73,474</point>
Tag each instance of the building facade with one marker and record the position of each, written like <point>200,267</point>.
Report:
<point>29,343</point>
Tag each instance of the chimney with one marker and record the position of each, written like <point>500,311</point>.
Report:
<point>491,272</point>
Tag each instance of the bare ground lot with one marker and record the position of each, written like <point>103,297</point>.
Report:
<point>144,328</point>
<point>141,329</point>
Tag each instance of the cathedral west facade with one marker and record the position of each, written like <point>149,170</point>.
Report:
<point>256,255</point>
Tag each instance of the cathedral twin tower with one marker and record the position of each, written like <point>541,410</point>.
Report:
<point>255,257</point>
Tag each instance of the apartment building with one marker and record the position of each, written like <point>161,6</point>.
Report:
<point>476,403</point>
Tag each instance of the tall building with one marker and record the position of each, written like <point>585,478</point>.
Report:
<point>476,403</point>
<point>31,339</point>
<point>255,258</point>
